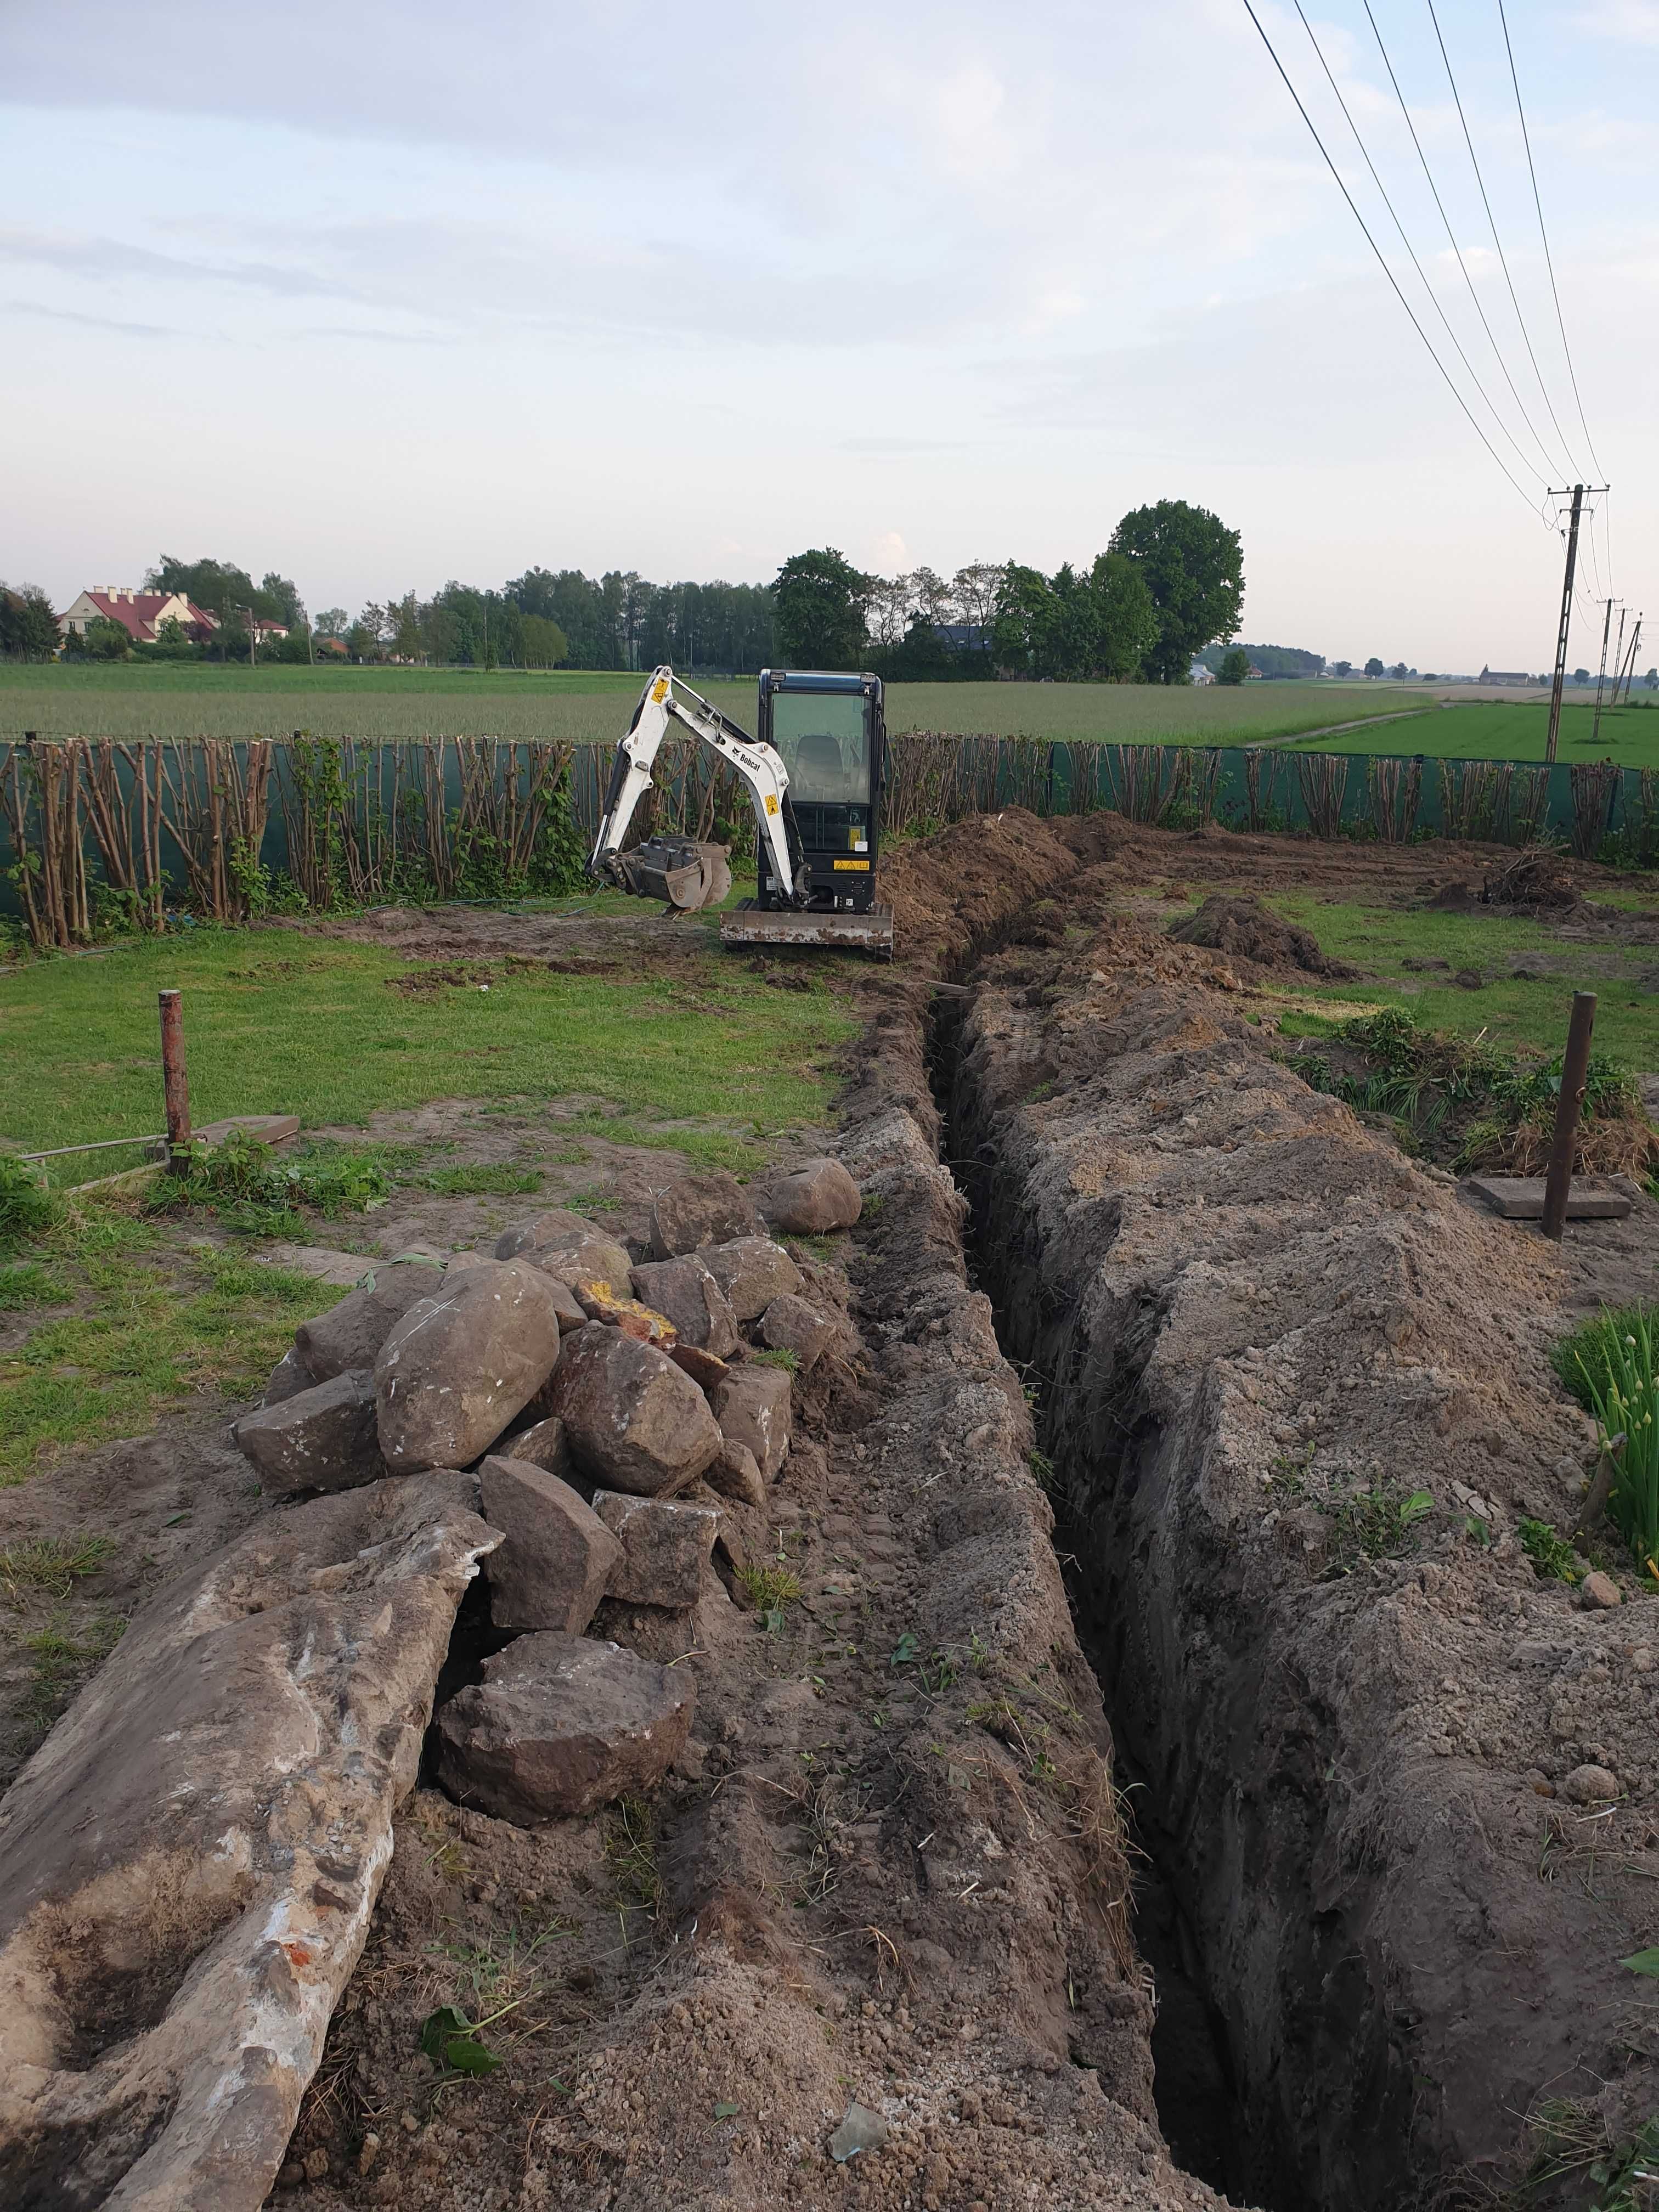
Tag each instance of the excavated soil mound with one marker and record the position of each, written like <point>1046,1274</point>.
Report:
<point>1298,1403</point>
<point>1247,930</point>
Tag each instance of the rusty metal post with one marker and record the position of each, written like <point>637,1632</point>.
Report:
<point>1559,1181</point>
<point>175,1088</point>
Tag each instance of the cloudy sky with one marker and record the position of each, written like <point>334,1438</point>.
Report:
<point>379,294</point>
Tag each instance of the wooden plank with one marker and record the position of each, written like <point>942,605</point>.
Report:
<point>264,1129</point>
<point>1520,1198</point>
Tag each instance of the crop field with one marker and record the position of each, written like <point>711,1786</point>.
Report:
<point>586,706</point>
<point>1514,730</point>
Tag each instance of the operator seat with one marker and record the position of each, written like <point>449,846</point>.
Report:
<point>818,766</point>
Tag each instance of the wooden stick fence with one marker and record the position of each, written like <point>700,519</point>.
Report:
<point>100,831</point>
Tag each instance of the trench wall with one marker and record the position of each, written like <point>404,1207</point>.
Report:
<point>1235,1301</point>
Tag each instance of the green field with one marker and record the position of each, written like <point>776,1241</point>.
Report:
<point>189,700</point>
<point>1503,729</point>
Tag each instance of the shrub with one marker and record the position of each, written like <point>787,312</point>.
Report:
<point>1612,1372</point>
<point>28,1207</point>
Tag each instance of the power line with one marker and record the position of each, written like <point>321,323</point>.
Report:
<point>1381,262</point>
<point>1492,223</point>
<point>1549,263</point>
<point>1433,299</point>
<point>1451,240</point>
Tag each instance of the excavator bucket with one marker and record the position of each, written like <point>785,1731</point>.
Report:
<point>676,870</point>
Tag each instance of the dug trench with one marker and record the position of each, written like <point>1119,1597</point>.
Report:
<point>881,1896</point>
<point>1398,1798</point>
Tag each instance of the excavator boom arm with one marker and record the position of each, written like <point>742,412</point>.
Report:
<point>665,700</point>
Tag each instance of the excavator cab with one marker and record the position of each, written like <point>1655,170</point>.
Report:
<point>830,733</point>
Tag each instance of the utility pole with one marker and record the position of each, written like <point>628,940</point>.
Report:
<point>1566,617</point>
<point>1630,663</point>
<point>1606,630</point>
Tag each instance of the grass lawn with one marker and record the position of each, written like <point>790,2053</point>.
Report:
<point>278,1021</point>
<point>588,706</point>
<point>1514,730</point>
<point>1514,1013</point>
<point>122,1316</point>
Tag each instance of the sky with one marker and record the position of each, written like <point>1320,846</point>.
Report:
<point>376,296</point>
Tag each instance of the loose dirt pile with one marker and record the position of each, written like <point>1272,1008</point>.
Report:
<point>1298,1400</point>
<point>1247,930</point>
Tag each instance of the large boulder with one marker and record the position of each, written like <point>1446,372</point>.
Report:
<point>633,1421</point>
<point>665,1548</point>
<point>560,1725</point>
<point>789,1324</point>
<point>350,1335</point>
<point>323,1438</point>
<point>704,1209</point>
<point>460,1366</point>
<point>188,1864</point>
<point>735,1472</point>
<point>685,1292</point>
<point>556,1556</point>
<point>543,1443</point>
<point>811,1200</point>
<point>287,1378</point>
<point>752,1407</point>
<point>752,1272</point>
<point>568,1247</point>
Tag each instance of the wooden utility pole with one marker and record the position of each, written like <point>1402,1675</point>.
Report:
<point>1558,1183</point>
<point>1629,659</point>
<point>1601,676</point>
<point>1566,617</point>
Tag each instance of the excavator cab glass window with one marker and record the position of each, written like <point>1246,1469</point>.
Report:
<point>825,742</point>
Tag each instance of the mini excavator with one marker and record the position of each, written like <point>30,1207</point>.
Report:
<point>814,778</point>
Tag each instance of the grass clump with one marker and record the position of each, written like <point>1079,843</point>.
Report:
<point>478,1180</point>
<point>789,1361</point>
<point>1608,1365</point>
<point>27,1283</point>
<point>50,1564</point>
<point>771,1590</point>
<point>630,1852</point>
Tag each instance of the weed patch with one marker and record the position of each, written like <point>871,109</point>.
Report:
<point>1608,1365</point>
<point>630,1852</point>
<point>28,1208</point>
<point>1553,1559</point>
<point>771,1591</point>
<point>49,1566</point>
<point>1465,1100</point>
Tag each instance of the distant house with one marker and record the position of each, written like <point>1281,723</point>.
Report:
<point>141,614</point>
<point>265,631</point>
<point>964,637</point>
<point>1200,674</point>
<point>332,646</point>
<point>1503,676</point>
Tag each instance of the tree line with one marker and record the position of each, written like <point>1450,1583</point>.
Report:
<point>1170,582</point>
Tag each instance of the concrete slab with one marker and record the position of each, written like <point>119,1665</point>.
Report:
<point>1520,1198</point>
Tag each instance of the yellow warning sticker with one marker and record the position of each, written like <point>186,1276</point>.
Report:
<point>659,689</point>
<point>771,804</point>
<point>865,864</point>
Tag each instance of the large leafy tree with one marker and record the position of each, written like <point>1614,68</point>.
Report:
<point>1194,568</point>
<point>818,602</point>
<point>28,625</point>
<point>1126,620</point>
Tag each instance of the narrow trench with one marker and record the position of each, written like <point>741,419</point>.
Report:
<point>1199,2111</point>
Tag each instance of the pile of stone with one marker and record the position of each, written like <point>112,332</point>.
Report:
<point>588,1390</point>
